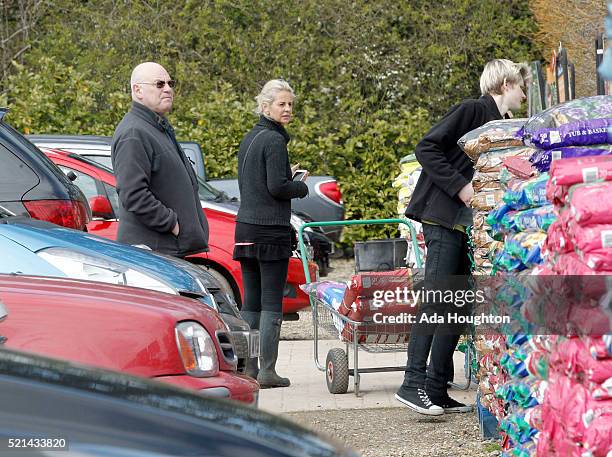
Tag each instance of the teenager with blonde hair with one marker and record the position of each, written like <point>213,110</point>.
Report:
<point>440,201</point>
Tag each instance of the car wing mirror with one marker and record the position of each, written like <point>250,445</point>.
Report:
<point>100,207</point>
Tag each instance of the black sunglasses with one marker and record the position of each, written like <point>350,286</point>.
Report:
<point>160,84</point>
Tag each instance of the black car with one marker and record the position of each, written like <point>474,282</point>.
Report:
<point>31,185</point>
<point>53,405</point>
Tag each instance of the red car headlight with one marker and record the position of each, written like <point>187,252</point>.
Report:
<point>197,350</point>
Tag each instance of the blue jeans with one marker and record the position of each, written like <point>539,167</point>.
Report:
<point>447,254</point>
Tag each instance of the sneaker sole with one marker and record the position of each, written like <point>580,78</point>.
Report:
<point>418,409</point>
<point>459,409</point>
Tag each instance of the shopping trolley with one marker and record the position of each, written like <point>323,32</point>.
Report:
<point>358,335</point>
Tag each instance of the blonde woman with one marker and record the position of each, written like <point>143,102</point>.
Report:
<point>263,231</point>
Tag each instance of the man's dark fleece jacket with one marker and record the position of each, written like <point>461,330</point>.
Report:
<point>157,186</point>
<point>446,168</point>
<point>264,176</point>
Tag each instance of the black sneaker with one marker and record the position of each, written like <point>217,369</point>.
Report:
<point>418,400</point>
<point>450,405</point>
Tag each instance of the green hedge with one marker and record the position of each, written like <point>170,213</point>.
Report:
<point>370,77</point>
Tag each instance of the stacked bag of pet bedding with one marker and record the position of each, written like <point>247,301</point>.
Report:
<point>505,181</point>
<point>525,364</point>
<point>580,242</point>
<point>517,367</point>
<point>405,182</point>
<point>576,414</point>
<point>571,297</point>
<point>521,221</point>
<point>491,147</point>
<point>530,405</point>
<point>578,128</point>
<point>490,349</point>
<point>579,159</point>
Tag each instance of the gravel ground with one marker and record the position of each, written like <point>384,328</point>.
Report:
<point>398,432</point>
<point>389,432</point>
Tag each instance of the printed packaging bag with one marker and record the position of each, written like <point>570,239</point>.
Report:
<point>568,172</point>
<point>492,135</point>
<point>579,133</point>
<point>590,203</point>
<point>580,109</point>
<point>542,159</point>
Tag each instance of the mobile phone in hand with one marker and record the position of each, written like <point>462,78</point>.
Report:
<point>299,175</point>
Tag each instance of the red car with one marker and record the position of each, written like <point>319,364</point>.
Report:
<point>98,184</point>
<point>142,332</point>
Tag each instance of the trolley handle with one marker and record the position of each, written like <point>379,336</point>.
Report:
<point>406,222</point>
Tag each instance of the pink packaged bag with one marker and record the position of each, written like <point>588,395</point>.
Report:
<point>557,241</point>
<point>598,259</point>
<point>556,193</point>
<point>587,319</point>
<point>598,437</point>
<point>573,359</point>
<point>591,204</point>
<point>591,237</point>
<point>567,172</point>
<point>598,348</point>
<point>602,391</point>
<point>575,405</point>
<point>571,264</point>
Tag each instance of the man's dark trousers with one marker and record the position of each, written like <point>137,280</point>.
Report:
<point>447,255</point>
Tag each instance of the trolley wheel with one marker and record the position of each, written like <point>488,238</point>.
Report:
<point>337,371</point>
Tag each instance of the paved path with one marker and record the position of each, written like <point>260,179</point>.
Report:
<point>308,391</point>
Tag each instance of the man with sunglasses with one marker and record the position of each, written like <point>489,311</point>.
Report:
<point>159,204</point>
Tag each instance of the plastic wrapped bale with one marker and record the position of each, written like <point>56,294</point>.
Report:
<point>542,159</point>
<point>533,219</point>
<point>581,109</point>
<point>494,134</point>
<point>591,203</point>
<point>527,194</point>
<point>487,200</point>
<point>557,240</point>
<point>591,237</point>
<point>330,292</point>
<point>485,181</point>
<point>581,170</point>
<point>367,295</point>
<point>524,247</point>
<point>571,264</point>
<point>579,133</point>
<point>492,161</point>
